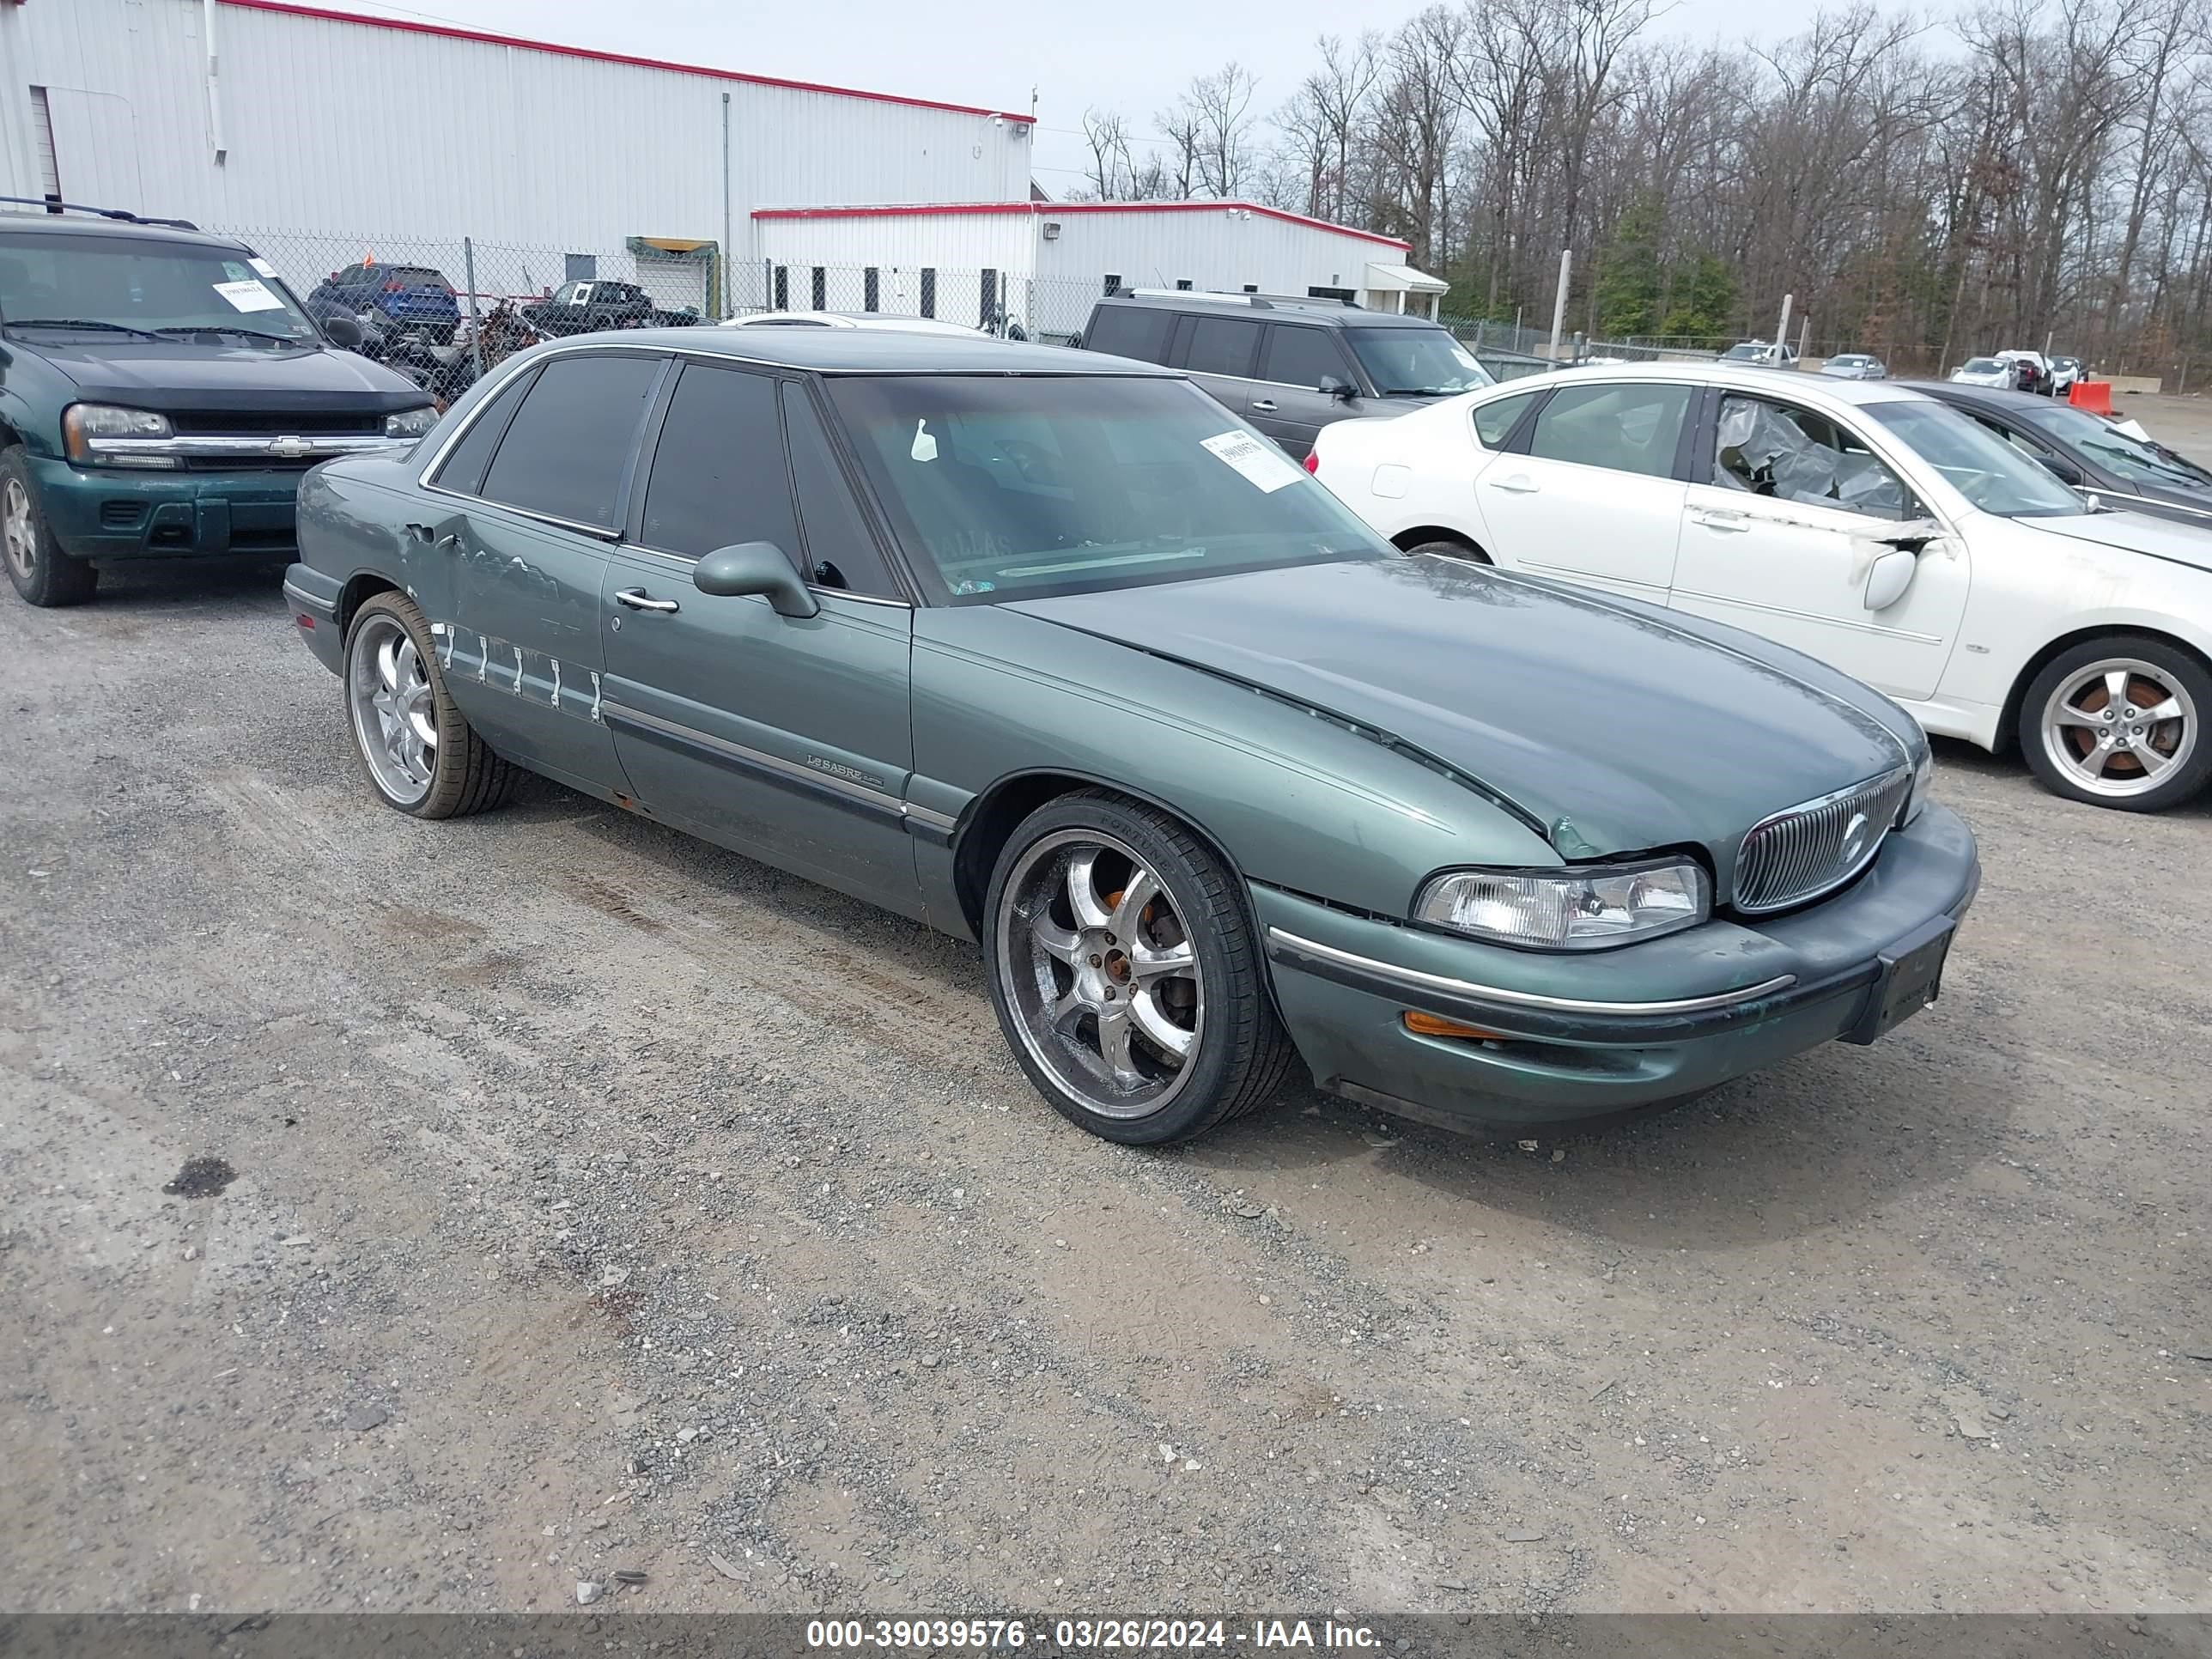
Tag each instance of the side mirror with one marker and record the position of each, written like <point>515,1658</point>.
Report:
<point>344,333</point>
<point>1343,390</point>
<point>750,568</point>
<point>1892,574</point>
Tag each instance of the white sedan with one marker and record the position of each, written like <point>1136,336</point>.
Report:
<point>1862,523</point>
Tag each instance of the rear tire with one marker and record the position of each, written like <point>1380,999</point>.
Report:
<point>422,756</point>
<point>2147,755</point>
<point>1126,974</point>
<point>37,567</point>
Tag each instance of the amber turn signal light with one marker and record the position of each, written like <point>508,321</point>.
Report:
<point>1423,1025</point>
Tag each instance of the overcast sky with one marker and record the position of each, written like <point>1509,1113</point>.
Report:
<point>1133,58</point>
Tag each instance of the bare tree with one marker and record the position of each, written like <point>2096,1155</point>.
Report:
<point>1111,174</point>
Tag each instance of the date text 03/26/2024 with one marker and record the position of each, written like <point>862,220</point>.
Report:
<point>1088,1635</point>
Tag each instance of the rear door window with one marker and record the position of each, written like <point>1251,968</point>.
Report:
<point>1623,428</point>
<point>569,446</point>
<point>463,469</point>
<point>1223,345</point>
<point>1494,422</point>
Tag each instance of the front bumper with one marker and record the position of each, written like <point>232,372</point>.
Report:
<point>1587,1035</point>
<point>125,513</point>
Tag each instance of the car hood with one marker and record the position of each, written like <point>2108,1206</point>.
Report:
<point>1612,726</point>
<point>2133,532</point>
<point>181,376</point>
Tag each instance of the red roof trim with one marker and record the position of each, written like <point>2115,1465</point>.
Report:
<point>484,37</point>
<point>1054,209</point>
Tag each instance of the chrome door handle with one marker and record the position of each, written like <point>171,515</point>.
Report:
<point>1734,523</point>
<point>1519,484</point>
<point>1265,405</point>
<point>638,600</point>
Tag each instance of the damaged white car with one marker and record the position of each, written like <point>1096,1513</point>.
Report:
<point>1864,524</point>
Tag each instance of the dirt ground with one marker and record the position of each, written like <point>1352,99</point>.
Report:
<point>590,1198</point>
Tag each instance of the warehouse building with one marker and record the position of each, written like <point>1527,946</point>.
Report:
<point>1041,263</point>
<point>328,139</point>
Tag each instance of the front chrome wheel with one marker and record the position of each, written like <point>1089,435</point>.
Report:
<point>19,531</point>
<point>1100,969</point>
<point>2120,728</point>
<point>395,716</point>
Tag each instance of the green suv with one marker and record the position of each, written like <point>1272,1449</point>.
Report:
<point>161,392</point>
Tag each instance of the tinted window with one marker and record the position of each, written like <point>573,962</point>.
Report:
<point>1494,422</point>
<point>1794,454</point>
<point>1222,345</point>
<point>1413,359</point>
<point>464,467</point>
<point>1131,331</point>
<point>570,442</point>
<point>841,549</point>
<point>718,471</point>
<point>1627,429</point>
<point>1303,356</point>
<point>1985,469</point>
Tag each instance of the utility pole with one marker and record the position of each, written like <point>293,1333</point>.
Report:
<point>1560,301</point>
<point>1782,328</point>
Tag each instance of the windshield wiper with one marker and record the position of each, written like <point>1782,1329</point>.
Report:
<point>80,322</point>
<point>229,328</point>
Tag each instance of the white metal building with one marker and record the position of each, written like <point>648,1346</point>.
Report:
<point>1045,261</point>
<point>293,120</point>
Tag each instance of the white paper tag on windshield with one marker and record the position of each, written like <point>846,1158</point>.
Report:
<point>262,267</point>
<point>1264,466</point>
<point>249,296</point>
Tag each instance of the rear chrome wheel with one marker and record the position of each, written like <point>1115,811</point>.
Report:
<point>2119,723</point>
<point>1125,974</point>
<point>418,749</point>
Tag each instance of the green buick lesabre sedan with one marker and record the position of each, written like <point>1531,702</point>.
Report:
<point>1048,651</point>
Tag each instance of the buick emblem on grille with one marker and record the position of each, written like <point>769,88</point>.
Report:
<point>1854,834</point>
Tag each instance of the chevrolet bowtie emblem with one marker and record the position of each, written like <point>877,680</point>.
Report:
<point>290,448</point>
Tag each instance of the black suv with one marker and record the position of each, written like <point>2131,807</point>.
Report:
<point>1290,366</point>
<point>162,391</point>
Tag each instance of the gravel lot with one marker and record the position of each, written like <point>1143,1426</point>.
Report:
<point>601,1201</point>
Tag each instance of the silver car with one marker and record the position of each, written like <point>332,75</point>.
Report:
<point>1856,366</point>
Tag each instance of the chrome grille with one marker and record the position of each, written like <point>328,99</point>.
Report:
<point>1802,852</point>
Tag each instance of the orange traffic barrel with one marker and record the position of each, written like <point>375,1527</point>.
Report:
<point>2095,396</point>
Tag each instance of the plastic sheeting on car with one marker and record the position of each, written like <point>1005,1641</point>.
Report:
<point>1762,450</point>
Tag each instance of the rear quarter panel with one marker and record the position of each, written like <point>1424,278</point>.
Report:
<point>1408,472</point>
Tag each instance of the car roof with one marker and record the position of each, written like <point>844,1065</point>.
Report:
<point>1734,376</point>
<point>1982,397</point>
<point>875,351</point>
<point>1325,312</point>
<point>85,224</point>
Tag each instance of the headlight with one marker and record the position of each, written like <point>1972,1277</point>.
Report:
<point>1923,774</point>
<point>1584,909</point>
<point>82,424</point>
<point>411,422</point>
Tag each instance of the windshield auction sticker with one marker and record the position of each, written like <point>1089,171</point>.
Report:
<point>249,296</point>
<point>1264,466</point>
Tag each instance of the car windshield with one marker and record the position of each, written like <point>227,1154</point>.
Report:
<point>1980,366</point>
<point>1851,361</point>
<point>2130,458</point>
<point>133,285</point>
<point>1018,487</point>
<point>1976,463</point>
<point>413,276</point>
<point>1749,351</point>
<point>1417,360</point>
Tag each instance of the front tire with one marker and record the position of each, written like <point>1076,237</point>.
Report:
<point>419,750</point>
<point>38,569</point>
<point>1126,975</point>
<point>2118,722</point>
